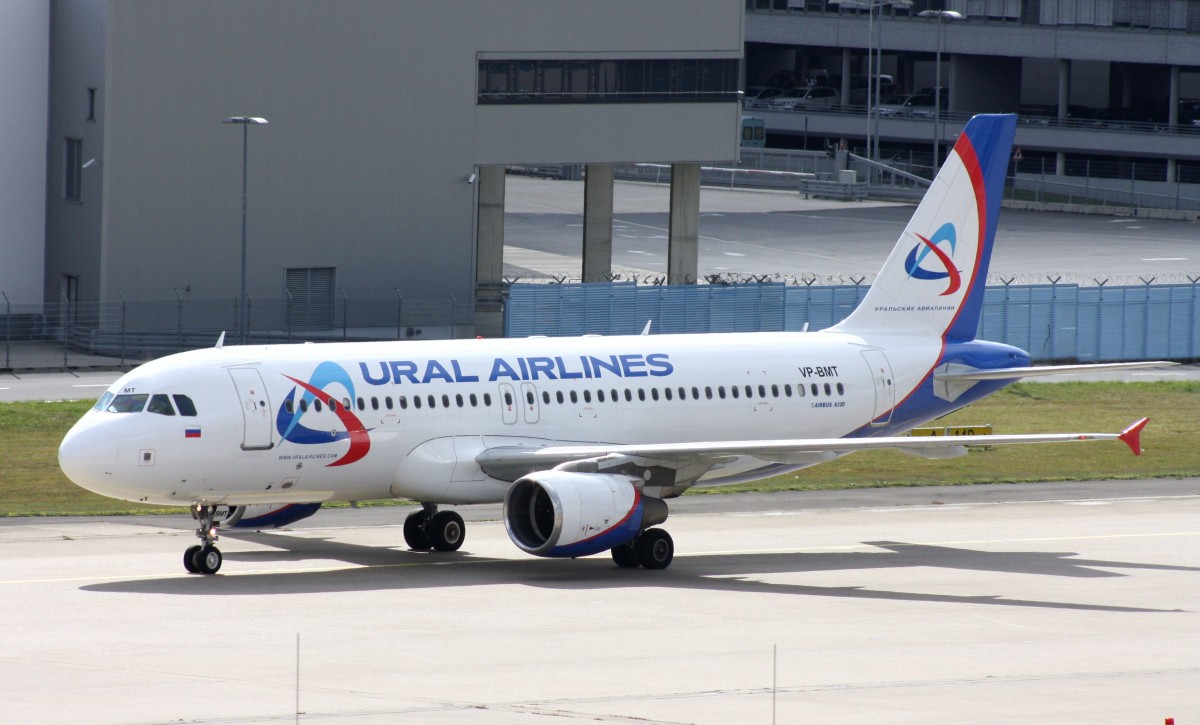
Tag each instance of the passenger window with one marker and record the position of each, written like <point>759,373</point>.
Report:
<point>841,390</point>
<point>615,398</point>
<point>749,392</point>
<point>641,394</point>
<point>774,391</point>
<point>546,397</point>
<point>417,402</point>
<point>815,391</point>
<point>828,391</point>
<point>374,403</point>
<point>587,396</point>
<point>303,405</point>
<point>362,404</point>
<point>529,397</point>
<point>445,401</point>
<point>474,400</point>
<point>600,396</point>
<point>708,392</point>
<point>666,392</point>
<point>654,393</point>
<point>696,394</point>
<point>317,405</point>
<point>387,402</point>
<point>628,395</point>
<point>787,389</point>
<point>432,402</point>
<point>558,396</point>
<point>574,397</point>
<point>508,399</point>
<point>800,390</point>
<point>186,406</point>
<point>762,391</point>
<point>161,405</point>
<point>487,400</point>
<point>734,390</point>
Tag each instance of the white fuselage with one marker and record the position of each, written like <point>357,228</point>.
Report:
<point>411,419</point>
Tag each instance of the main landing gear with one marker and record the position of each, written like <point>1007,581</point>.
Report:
<point>652,549</point>
<point>432,529</point>
<point>203,558</point>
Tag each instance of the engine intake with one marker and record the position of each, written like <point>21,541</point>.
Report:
<point>568,514</point>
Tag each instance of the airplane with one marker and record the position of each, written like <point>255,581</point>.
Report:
<point>584,439</point>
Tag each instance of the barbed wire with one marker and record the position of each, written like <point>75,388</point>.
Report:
<point>997,279</point>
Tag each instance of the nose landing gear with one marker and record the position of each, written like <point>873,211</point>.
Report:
<point>203,558</point>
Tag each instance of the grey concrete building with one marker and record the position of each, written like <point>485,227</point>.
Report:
<point>24,70</point>
<point>1100,84</point>
<point>375,190</point>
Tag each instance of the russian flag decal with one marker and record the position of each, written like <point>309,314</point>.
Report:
<point>191,433</point>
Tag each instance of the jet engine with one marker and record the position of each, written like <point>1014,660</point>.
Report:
<point>569,514</point>
<point>267,516</point>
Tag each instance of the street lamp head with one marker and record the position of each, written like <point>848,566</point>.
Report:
<point>253,120</point>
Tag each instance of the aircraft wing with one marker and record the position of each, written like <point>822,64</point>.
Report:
<point>813,450</point>
<point>1039,370</point>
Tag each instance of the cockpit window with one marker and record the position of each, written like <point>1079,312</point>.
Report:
<point>103,402</point>
<point>185,405</point>
<point>161,405</point>
<point>128,403</point>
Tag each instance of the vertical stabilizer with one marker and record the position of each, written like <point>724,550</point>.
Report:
<point>933,281</point>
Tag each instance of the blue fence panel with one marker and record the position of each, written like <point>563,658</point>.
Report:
<point>1052,322</point>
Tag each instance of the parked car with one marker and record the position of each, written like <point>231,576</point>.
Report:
<point>860,91</point>
<point>800,98</point>
<point>758,97</point>
<point>911,104</point>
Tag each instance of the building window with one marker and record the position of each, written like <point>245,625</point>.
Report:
<point>308,297</point>
<point>673,80</point>
<point>91,105</point>
<point>73,170</point>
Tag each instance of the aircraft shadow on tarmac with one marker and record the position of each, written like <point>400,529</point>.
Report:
<point>378,568</point>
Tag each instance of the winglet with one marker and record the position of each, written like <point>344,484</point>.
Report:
<point>1132,436</point>
<point>221,340</point>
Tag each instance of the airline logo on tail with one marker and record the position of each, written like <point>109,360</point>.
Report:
<point>914,263</point>
<point>287,420</point>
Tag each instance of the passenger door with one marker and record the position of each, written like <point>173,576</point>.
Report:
<point>256,410</point>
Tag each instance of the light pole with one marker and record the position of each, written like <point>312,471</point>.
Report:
<point>245,122</point>
<point>876,68</point>
<point>941,15</point>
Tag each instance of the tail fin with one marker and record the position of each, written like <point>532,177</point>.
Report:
<point>934,279</point>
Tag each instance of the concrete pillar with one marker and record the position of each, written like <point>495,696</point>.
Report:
<point>846,72</point>
<point>683,250</point>
<point>1064,87</point>
<point>489,252</point>
<point>1064,101</point>
<point>1173,97</point>
<point>597,223</point>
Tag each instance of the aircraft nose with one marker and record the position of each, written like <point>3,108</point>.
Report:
<point>88,455</point>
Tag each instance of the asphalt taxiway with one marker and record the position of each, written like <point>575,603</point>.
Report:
<point>1056,603</point>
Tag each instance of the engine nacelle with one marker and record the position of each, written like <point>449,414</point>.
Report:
<point>267,516</point>
<point>568,514</point>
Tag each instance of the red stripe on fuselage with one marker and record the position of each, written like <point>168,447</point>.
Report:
<point>360,442</point>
